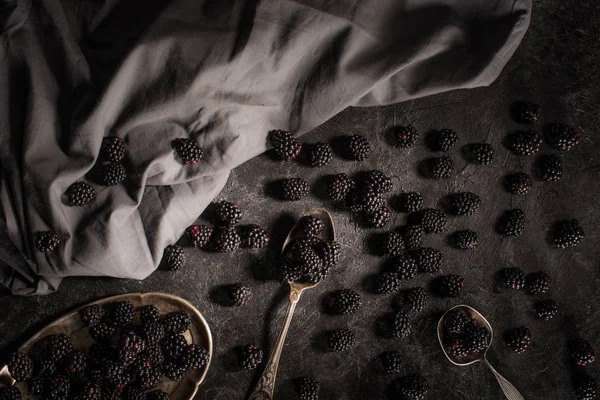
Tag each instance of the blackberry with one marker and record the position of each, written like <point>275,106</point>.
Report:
<point>122,312</point>
<point>74,363</point>
<point>150,379</point>
<point>585,387</point>
<point>526,112</point>
<point>386,282</point>
<point>512,278</point>
<point>177,322</point>
<point>157,395</point>
<point>368,200</point>
<point>58,346</point>
<point>550,167</point>
<point>512,222</point>
<point>175,257</point>
<point>80,193</point>
<point>465,239</point>
<point>310,226</point>
<point>152,332</point>
<point>518,183</point>
<point>173,346</point>
<point>308,261</point>
<point>319,154</point>
<point>226,239</point>
<point>154,354</point>
<point>329,252</point>
<point>457,320</point>
<point>561,136</point>
<point>129,346</point>
<point>250,356</point>
<point>89,391</point>
<point>480,153</point>
<point>253,237</point>
<point>227,213</point>
<point>464,203</point>
<point>392,244</point>
<point>112,149</point>
<point>456,346</point>
<point>411,387</point>
<point>340,339</point>
<point>524,143</point>
<point>289,270</point>
<point>405,136</point>
<point>445,140</point>
<point>36,385</point>
<point>546,309</point>
<point>477,338</point>
<point>188,150</point>
<point>92,315</point>
<point>428,259</point>
<point>345,301</point>
<point>239,294</point>
<point>567,234</point>
<point>293,189</point>
<point>538,282</point>
<point>20,366</point>
<point>518,339</point>
<point>397,324</point>
<point>378,181</point>
<point>102,331</point>
<point>307,388</point>
<point>405,266</point>
<point>357,147</point>
<point>194,357</point>
<point>413,236</point>
<point>285,145</point>
<point>133,392</point>
<point>440,167</point>
<point>379,218</point>
<point>449,286</point>
<point>46,241</point>
<point>411,202</point>
<point>433,220</point>
<point>149,313</point>
<point>199,234</point>
<point>58,387</point>
<point>10,393</point>
<point>173,371</point>
<point>44,364</point>
<point>582,352</point>
<point>112,174</point>
<point>339,186</point>
<point>390,362</point>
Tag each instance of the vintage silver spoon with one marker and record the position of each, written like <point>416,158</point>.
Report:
<point>508,389</point>
<point>266,385</point>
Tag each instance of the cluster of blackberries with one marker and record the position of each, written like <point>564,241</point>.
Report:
<point>110,161</point>
<point>463,334</point>
<point>287,148</point>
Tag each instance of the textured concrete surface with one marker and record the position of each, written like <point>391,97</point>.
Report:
<point>477,115</point>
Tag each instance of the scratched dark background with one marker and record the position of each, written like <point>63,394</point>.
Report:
<point>557,66</point>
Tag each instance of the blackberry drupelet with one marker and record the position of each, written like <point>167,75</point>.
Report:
<point>545,309</point>
<point>112,174</point>
<point>175,257</point>
<point>405,136</point>
<point>199,235</point>
<point>122,312</point>
<point>227,213</point>
<point>512,222</point>
<point>582,352</point>
<point>92,315</point>
<point>285,145</point>
<point>311,226</point>
<point>173,346</point>
<point>464,203</point>
<point>188,150</point>
<point>357,147</point>
<point>445,140</point>
<point>465,239</point>
<point>411,387</point>
<point>339,186</point>
<point>567,234</point>
<point>386,282</point>
<point>10,393</point>
<point>405,266</point>
<point>46,241</point>
<point>396,324</point>
<point>449,286</point>
<point>457,320</point>
<point>512,278</point>
<point>411,202</point>
<point>238,294</point>
<point>379,218</point>
<point>428,259</point>
<point>74,363</point>
<point>112,149</point>
<point>343,302</point>
<point>293,189</point>
<point>518,339</point>
<point>20,366</point>
<point>561,136</point>
<point>148,314</point>
<point>518,183</point>
<point>340,339</point>
<point>80,193</point>
<point>250,356</point>
<point>550,167</point>
<point>157,395</point>
<point>413,236</point>
<point>524,143</point>
<point>526,112</point>
<point>152,332</point>
<point>319,154</point>
<point>440,167</point>
<point>177,322</point>
<point>307,388</point>
<point>433,220</point>
<point>253,237</point>
<point>390,362</point>
<point>226,239</point>
<point>392,244</point>
<point>378,181</point>
<point>585,387</point>
<point>480,153</point>
<point>329,251</point>
<point>102,331</point>
<point>413,300</point>
<point>538,282</point>
<point>58,345</point>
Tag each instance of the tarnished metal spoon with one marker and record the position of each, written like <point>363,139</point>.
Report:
<point>508,389</point>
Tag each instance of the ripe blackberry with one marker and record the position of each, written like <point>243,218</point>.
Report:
<point>129,346</point>
<point>10,393</point>
<point>175,257</point>
<point>173,346</point>
<point>405,136</point>
<point>122,312</point>
<point>177,322</point>
<point>58,346</point>
<point>80,193</point>
<point>112,174</point>
<point>518,339</point>
<point>440,167</point>
<point>379,218</point>
<point>561,136</point>
<point>464,203</point>
<point>582,352</point>
<point>226,239</point>
<point>445,140</point>
<point>293,189</point>
<point>152,332</point>
<point>102,331</point>
<point>150,379</point>
<point>329,252</point>
<point>480,153</point>
<point>477,338</point>
<point>567,234</point>
<point>391,244</point>
<point>74,363</point>
<point>288,270</point>
<point>113,372</point>
<point>456,321</point>
<point>285,145</point>
<point>319,154</point>
<point>538,282</point>
<point>357,147</point>
<point>413,236</point>
<point>158,395</point>
<point>396,324</point>
<point>250,356</point>
<point>413,300</point>
<point>340,339</point>
<point>518,183</point>
<point>20,366</point>
<point>344,301</point>
<point>58,387</point>
<point>550,167</point>
<point>149,313</point>
<point>188,150</point>
<point>433,220</point>
<point>368,200</point>
<point>227,213</point>
<point>46,241</point>
<point>546,309</point>
<point>253,237</point>
<point>390,362</point>
<point>456,346</point>
<point>89,391</point>
<point>310,226</point>
<point>307,388</point>
<point>512,278</point>
<point>199,235</point>
<point>405,266</point>
<point>339,186</point>
<point>449,286</point>
<point>524,143</point>
<point>308,261</point>
<point>585,387</point>
<point>526,112</point>
<point>44,364</point>
<point>465,239</point>
<point>378,181</point>
<point>133,392</point>
<point>411,387</point>
<point>194,357</point>
<point>112,149</point>
<point>238,294</point>
<point>512,222</point>
<point>411,202</point>
<point>92,315</point>
<point>36,385</point>
<point>154,353</point>
<point>386,282</point>
<point>428,259</point>
<point>173,370</point>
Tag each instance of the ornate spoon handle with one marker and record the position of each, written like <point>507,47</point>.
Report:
<point>509,390</point>
<point>266,385</point>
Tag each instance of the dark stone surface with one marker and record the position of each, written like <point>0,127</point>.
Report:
<point>477,115</point>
